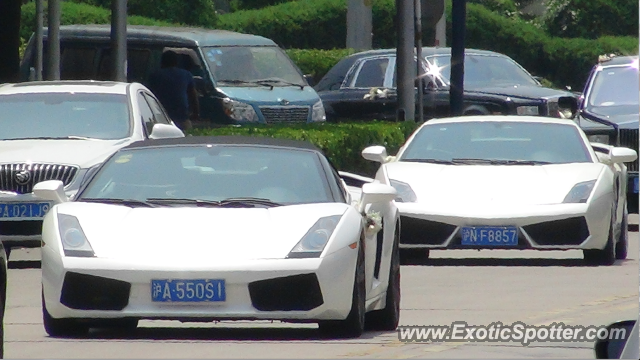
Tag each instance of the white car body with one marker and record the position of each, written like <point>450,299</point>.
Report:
<point>529,198</point>
<point>248,248</point>
<point>38,154</point>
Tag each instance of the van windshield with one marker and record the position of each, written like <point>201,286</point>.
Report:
<point>242,66</point>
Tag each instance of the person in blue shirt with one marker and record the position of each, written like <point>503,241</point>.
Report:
<point>175,89</point>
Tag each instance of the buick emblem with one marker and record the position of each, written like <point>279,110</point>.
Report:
<point>284,102</point>
<point>23,177</point>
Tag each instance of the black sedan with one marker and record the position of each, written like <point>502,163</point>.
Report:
<point>610,109</point>
<point>363,86</point>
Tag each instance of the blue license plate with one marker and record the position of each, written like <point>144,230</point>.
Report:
<point>24,210</point>
<point>198,290</point>
<point>490,235</point>
<point>636,187</point>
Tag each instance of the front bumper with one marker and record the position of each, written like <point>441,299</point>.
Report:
<point>632,192</point>
<point>543,227</point>
<point>17,228</point>
<point>288,289</point>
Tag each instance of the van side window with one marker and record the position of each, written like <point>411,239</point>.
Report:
<point>137,65</point>
<point>145,113</point>
<point>157,110</point>
<point>77,63</point>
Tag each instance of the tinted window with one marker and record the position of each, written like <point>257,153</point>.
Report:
<point>60,115</point>
<point>615,86</point>
<point>213,173</point>
<point>77,63</point>
<point>372,73</point>
<point>145,113</point>
<point>156,109</point>
<point>553,143</point>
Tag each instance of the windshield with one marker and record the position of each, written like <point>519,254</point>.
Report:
<point>237,66</point>
<point>487,140</point>
<point>615,86</point>
<point>64,115</point>
<point>211,173</point>
<point>482,70</point>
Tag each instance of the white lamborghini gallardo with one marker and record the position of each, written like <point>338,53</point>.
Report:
<point>508,182</point>
<point>219,228</point>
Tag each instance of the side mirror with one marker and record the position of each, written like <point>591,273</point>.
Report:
<point>622,155</point>
<point>375,153</point>
<point>376,193</point>
<point>201,85</point>
<point>310,80</point>
<point>52,190</point>
<point>613,346</point>
<point>164,131</point>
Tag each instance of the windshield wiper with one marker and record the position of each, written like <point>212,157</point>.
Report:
<point>279,81</point>
<point>70,137</point>
<point>431,161</point>
<point>184,201</point>
<point>248,201</point>
<point>498,162</point>
<point>235,81</point>
<point>125,202</point>
<point>231,202</point>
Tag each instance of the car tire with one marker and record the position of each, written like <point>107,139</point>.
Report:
<point>387,319</point>
<point>606,256</point>
<point>623,240</point>
<point>62,327</point>
<point>353,325</point>
<point>413,255</point>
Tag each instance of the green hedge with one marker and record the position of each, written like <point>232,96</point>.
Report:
<point>73,13</point>
<point>317,62</point>
<point>342,143</point>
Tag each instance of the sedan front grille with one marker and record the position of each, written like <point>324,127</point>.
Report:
<point>629,138</point>
<point>20,178</point>
<point>285,114</point>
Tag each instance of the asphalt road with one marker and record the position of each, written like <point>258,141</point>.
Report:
<point>479,287</point>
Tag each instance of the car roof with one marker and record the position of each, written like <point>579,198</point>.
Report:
<point>79,86</point>
<point>619,60</point>
<point>226,140</point>
<point>166,35</point>
<point>426,51</point>
<point>500,118</point>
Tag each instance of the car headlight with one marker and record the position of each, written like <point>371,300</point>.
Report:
<point>74,242</point>
<point>527,110</point>
<point>599,138</point>
<point>238,110</point>
<point>580,192</point>
<point>317,112</point>
<point>405,193</point>
<point>314,241</point>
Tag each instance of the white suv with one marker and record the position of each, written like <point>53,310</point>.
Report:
<point>59,130</point>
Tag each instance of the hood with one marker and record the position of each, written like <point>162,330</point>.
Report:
<point>198,234</point>
<point>626,116</point>
<point>264,95</point>
<point>483,185</point>
<point>83,153</point>
<point>522,91</point>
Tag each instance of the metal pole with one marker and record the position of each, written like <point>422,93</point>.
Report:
<point>458,26</point>
<point>419,70</point>
<point>359,24</point>
<point>119,40</point>
<point>39,38</point>
<point>404,58</point>
<point>54,40</point>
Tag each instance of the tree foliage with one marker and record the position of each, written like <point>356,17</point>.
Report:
<point>591,19</point>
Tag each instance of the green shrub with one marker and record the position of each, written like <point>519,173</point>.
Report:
<point>192,12</point>
<point>73,13</point>
<point>317,62</point>
<point>591,18</point>
<point>342,143</point>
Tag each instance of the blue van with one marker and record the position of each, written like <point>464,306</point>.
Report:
<point>241,78</point>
